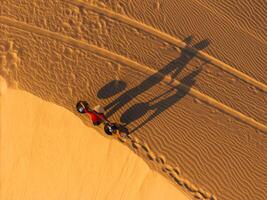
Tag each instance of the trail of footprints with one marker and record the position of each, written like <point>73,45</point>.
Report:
<point>9,62</point>
<point>173,172</point>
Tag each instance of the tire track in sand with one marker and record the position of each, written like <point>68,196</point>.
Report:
<point>95,28</point>
<point>121,59</point>
<point>175,41</point>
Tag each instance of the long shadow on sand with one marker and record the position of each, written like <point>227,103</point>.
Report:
<point>139,109</point>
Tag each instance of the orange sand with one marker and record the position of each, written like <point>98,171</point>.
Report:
<point>208,134</point>
<point>48,153</point>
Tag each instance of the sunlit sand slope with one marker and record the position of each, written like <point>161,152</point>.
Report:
<point>48,153</point>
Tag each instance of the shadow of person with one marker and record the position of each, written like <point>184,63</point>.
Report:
<point>110,89</point>
<point>189,53</point>
<point>174,67</point>
<point>140,109</point>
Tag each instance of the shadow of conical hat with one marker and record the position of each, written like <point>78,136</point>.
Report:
<point>99,109</point>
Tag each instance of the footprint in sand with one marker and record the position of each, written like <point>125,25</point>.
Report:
<point>145,147</point>
<point>177,170</point>
<point>190,186</point>
<point>151,156</point>
<point>161,159</point>
<point>212,197</point>
<point>136,145</point>
<point>204,193</point>
<point>178,180</point>
<point>167,168</point>
<point>9,62</point>
<point>198,195</point>
<point>136,140</point>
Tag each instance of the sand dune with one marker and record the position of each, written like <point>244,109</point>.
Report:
<point>47,153</point>
<point>124,36</point>
<point>248,16</point>
<point>198,117</point>
<point>199,18</point>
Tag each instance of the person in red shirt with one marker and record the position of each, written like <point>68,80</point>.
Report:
<point>97,115</point>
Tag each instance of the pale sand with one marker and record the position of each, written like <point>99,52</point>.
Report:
<point>48,153</point>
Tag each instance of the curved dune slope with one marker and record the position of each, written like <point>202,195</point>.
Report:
<point>236,29</point>
<point>208,135</point>
<point>48,153</point>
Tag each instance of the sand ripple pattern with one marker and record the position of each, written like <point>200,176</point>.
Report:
<point>171,172</point>
<point>210,136</point>
<point>227,38</point>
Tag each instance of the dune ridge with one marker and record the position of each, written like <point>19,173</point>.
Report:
<point>170,171</point>
<point>49,158</point>
<point>151,155</point>
<point>170,39</point>
<point>11,96</point>
<point>227,39</point>
<point>76,21</point>
<point>56,56</point>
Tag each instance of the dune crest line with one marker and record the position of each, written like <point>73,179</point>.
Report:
<point>173,172</point>
<point>123,60</point>
<point>173,40</point>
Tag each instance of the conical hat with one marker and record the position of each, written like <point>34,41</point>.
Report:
<point>99,109</point>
